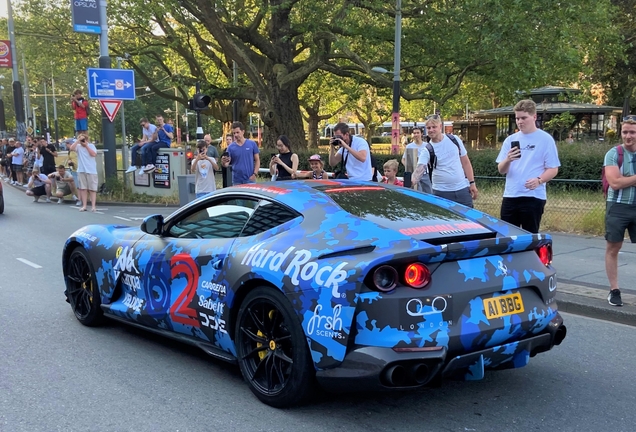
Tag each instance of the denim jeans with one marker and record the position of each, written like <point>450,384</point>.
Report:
<point>133,154</point>
<point>149,153</point>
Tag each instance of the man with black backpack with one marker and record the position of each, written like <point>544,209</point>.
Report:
<point>620,211</point>
<point>448,165</point>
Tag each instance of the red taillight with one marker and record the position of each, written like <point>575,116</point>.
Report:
<point>417,275</point>
<point>545,254</point>
<point>385,278</point>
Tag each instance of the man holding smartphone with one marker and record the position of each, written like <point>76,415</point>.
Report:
<point>203,167</point>
<point>529,159</point>
<point>243,155</point>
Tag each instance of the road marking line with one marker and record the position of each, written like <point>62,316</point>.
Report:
<point>29,263</point>
<point>123,218</point>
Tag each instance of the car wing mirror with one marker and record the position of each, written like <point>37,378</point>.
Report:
<point>153,224</point>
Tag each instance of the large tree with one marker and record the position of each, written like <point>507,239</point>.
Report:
<point>278,44</point>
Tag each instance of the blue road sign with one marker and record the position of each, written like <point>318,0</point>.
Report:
<point>116,84</point>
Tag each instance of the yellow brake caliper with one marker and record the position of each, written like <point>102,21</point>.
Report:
<point>272,344</point>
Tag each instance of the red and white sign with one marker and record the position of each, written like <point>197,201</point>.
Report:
<point>110,107</point>
<point>5,54</point>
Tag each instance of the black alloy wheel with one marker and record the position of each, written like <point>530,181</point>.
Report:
<point>81,288</point>
<point>272,349</point>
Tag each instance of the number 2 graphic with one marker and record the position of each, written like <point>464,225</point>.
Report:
<point>180,311</point>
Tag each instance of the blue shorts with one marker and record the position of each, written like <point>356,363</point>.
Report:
<point>81,125</point>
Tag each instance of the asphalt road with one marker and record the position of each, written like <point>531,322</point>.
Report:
<point>57,375</point>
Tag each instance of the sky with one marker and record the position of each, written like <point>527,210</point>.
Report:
<point>3,9</point>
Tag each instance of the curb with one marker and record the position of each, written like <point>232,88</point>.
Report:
<point>592,308</point>
<point>110,203</point>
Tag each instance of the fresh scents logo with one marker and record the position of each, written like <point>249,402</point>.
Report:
<point>328,326</point>
<point>299,268</point>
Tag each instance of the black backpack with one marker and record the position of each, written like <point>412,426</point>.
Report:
<point>432,163</point>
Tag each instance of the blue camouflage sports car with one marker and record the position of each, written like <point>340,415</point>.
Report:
<point>339,284</point>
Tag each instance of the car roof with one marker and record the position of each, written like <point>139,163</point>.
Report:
<point>297,193</point>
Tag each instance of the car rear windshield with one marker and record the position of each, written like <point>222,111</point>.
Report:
<point>392,209</point>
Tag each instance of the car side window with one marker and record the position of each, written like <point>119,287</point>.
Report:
<point>224,219</point>
<point>267,216</point>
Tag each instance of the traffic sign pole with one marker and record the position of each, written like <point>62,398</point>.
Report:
<point>108,127</point>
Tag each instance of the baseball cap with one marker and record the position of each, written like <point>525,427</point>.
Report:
<point>315,157</point>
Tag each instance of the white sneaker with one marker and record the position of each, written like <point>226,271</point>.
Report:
<point>36,198</point>
<point>60,200</point>
<point>48,200</point>
<point>14,182</point>
<point>78,203</point>
<point>75,198</point>
<point>130,169</point>
<point>149,168</point>
<point>141,171</point>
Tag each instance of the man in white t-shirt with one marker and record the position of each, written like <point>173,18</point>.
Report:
<point>529,164</point>
<point>424,183</point>
<point>86,171</point>
<point>355,151</point>
<point>17,162</point>
<point>453,176</point>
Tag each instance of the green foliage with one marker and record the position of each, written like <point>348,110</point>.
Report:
<point>560,123</point>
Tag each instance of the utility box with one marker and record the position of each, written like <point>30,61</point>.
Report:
<point>170,163</point>
<point>186,189</point>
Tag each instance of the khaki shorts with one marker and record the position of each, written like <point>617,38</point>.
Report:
<point>87,181</point>
<point>66,189</point>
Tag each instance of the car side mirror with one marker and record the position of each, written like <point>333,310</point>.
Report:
<point>153,224</point>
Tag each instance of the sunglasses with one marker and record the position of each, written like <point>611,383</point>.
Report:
<point>433,117</point>
<point>630,118</point>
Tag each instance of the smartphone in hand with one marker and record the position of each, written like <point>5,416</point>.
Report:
<point>516,145</point>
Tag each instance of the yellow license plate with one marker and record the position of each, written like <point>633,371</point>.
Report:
<point>501,306</point>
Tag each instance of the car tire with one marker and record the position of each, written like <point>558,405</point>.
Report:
<point>272,350</point>
<point>1,204</point>
<point>81,288</point>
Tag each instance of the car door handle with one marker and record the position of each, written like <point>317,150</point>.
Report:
<point>216,265</point>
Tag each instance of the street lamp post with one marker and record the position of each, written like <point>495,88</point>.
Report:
<point>55,123</point>
<point>3,122</point>
<point>35,119</point>
<point>46,110</point>
<point>395,133</point>
<point>124,146</point>
<point>187,124</point>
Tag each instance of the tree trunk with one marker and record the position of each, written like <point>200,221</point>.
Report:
<point>282,117</point>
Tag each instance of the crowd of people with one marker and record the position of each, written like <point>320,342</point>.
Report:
<point>528,158</point>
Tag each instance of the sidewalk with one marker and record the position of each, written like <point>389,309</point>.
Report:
<point>582,285</point>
